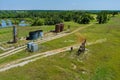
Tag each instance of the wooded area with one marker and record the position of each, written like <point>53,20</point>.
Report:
<point>38,18</point>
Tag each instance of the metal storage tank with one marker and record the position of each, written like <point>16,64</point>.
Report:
<point>57,28</point>
<point>29,45</point>
<point>34,47</point>
<point>40,33</point>
<point>61,27</point>
<point>33,35</point>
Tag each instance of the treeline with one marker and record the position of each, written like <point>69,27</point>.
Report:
<point>36,17</point>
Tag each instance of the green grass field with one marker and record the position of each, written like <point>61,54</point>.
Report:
<point>102,61</point>
<point>64,41</point>
<point>6,33</point>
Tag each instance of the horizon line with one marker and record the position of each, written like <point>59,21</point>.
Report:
<point>63,9</point>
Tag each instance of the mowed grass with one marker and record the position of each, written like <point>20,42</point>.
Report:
<point>102,61</point>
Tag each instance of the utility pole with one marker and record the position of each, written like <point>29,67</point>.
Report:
<point>14,34</point>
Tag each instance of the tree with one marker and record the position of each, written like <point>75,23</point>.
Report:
<point>49,21</point>
<point>38,22</point>
<point>68,17</point>
<point>102,17</point>
<point>84,19</point>
<point>53,21</point>
<point>15,21</point>
<point>114,13</point>
<point>57,20</point>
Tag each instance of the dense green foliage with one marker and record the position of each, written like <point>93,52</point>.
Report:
<point>102,17</point>
<point>115,13</point>
<point>53,21</point>
<point>38,22</point>
<point>38,18</point>
<point>84,18</point>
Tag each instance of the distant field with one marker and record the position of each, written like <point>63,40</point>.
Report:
<point>102,61</point>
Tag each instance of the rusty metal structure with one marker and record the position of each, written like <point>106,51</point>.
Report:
<point>82,47</point>
<point>59,27</point>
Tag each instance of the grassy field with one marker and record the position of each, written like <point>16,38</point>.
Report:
<point>102,61</point>
<point>50,45</point>
<point>1,51</point>
<point>6,33</point>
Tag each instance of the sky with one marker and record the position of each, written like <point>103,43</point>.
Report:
<point>59,4</point>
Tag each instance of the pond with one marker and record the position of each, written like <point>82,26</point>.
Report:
<point>8,23</point>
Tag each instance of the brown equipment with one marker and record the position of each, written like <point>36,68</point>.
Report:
<point>82,47</point>
<point>59,27</point>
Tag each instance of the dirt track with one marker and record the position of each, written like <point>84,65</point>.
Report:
<point>49,38</point>
<point>23,61</point>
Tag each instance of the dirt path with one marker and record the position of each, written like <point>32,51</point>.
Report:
<point>23,61</point>
<point>16,50</point>
<point>10,52</point>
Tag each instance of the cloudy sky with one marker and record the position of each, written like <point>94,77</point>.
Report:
<point>60,4</point>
